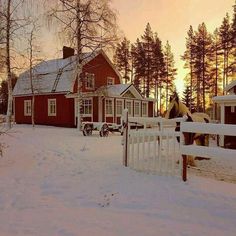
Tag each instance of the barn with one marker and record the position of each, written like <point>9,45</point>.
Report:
<point>228,112</point>
<point>55,87</point>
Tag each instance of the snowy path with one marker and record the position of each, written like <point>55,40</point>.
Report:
<point>55,182</point>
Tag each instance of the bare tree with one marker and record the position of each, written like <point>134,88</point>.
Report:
<point>88,25</point>
<point>32,56</point>
<point>13,19</point>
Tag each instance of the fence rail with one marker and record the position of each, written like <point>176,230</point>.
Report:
<point>207,128</point>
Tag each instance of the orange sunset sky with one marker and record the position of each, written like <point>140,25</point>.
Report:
<point>169,18</point>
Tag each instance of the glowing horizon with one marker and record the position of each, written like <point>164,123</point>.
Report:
<point>171,20</point>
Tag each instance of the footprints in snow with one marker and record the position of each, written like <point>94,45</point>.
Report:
<point>107,199</point>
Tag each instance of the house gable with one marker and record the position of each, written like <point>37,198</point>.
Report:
<point>101,68</point>
<point>128,94</point>
<point>131,92</point>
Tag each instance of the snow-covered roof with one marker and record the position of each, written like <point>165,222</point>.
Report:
<point>225,99</point>
<point>55,75</point>
<point>118,90</point>
<point>230,86</point>
<point>114,90</point>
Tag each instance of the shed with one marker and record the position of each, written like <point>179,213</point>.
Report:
<point>227,113</point>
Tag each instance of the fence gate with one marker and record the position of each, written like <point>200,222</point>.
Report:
<point>153,149</point>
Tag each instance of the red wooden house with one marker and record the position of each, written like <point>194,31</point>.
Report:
<point>55,86</point>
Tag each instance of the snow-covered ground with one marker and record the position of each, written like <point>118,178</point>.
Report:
<point>55,182</point>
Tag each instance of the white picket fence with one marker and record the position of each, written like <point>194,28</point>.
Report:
<point>153,149</point>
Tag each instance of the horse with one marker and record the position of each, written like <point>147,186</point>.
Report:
<point>177,109</point>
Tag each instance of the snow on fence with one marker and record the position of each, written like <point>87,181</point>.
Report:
<point>153,149</point>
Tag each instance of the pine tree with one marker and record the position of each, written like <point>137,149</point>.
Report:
<point>158,67</point>
<point>122,59</point>
<point>202,53</point>
<point>233,43</point>
<point>225,36</point>
<point>138,54</point>
<point>187,99</point>
<point>170,70</point>
<point>147,42</point>
<point>188,57</point>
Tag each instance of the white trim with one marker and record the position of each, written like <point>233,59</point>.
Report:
<point>232,109</point>
<point>49,106</point>
<point>132,106</point>
<point>122,102</point>
<point>109,115</point>
<point>139,114</point>
<point>91,114</point>
<point>26,104</point>
<point>145,114</point>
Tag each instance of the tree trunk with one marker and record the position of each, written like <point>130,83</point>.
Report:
<point>8,65</point>
<point>78,63</point>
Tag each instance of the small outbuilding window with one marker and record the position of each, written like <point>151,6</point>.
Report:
<point>52,107</point>
<point>89,81</point>
<point>27,108</point>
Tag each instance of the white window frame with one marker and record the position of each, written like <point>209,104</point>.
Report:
<point>139,104</point>
<point>112,103</point>
<point>88,114</point>
<point>232,109</point>
<point>145,114</point>
<point>132,104</point>
<point>122,102</point>
<point>109,79</point>
<point>49,107</point>
<point>27,107</point>
<point>89,76</point>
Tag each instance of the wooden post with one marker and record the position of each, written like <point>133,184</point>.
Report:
<point>184,157</point>
<point>125,137</point>
<point>184,174</point>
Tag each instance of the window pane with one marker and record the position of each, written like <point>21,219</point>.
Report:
<point>119,107</point>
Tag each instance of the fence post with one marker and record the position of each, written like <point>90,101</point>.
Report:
<point>184,157</point>
<point>125,137</point>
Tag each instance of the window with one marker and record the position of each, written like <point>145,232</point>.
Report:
<point>144,109</point>
<point>89,81</point>
<point>129,107</point>
<point>27,107</point>
<point>52,107</point>
<point>137,108</point>
<point>119,107</point>
<point>109,107</point>
<point>110,81</point>
<point>86,108</point>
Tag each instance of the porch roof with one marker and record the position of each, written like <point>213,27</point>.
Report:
<point>225,99</point>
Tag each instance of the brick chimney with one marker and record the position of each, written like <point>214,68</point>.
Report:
<point>68,52</point>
